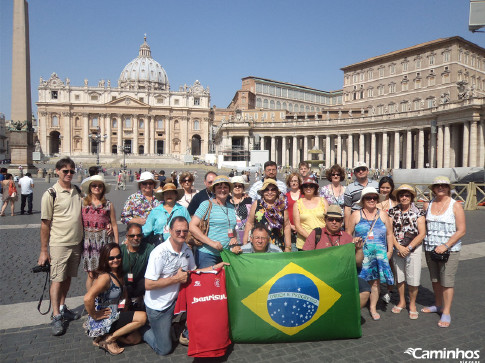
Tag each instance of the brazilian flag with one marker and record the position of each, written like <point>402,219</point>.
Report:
<point>298,296</point>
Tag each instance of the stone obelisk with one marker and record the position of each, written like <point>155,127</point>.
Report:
<point>21,132</point>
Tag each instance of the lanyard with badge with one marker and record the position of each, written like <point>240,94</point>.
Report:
<point>230,231</point>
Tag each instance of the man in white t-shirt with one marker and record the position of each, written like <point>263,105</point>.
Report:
<point>168,267</point>
<point>26,185</point>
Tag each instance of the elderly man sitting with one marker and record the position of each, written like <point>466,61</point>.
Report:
<point>332,235</point>
<point>259,242</point>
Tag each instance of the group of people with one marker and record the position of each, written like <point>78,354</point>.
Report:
<point>10,192</point>
<point>172,230</point>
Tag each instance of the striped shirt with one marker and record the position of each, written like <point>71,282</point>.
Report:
<point>353,192</point>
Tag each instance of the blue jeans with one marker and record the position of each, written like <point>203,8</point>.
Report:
<point>206,259</point>
<point>159,337</point>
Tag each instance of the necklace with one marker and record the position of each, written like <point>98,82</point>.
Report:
<point>442,207</point>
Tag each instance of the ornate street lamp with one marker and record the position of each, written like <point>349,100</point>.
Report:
<point>125,149</point>
<point>98,139</point>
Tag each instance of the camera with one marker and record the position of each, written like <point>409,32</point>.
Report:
<point>41,268</point>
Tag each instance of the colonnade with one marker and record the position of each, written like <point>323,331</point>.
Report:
<point>437,145</point>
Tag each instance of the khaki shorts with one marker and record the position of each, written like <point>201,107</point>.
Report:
<point>441,272</point>
<point>408,269</point>
<point>64,262</point>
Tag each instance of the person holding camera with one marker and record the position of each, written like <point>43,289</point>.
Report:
<point>61,235</point>
<point>135,252</point>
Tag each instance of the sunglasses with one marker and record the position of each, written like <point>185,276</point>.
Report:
<point>308,186</point>
<point>178,232</point>
<point>441,185</point>
<point>359,170</point>
<point>271,190</point>
<point>147,183</point>
<point>333,219</point>
<point>140,235</point>
<point>186,181</point>
<point>407,195</point>
<point>238,186</point>
<point>99,186</point>
<point>335,174</point>
<point>371,197</point>
<point>68,171</point>
<point>112,258</point>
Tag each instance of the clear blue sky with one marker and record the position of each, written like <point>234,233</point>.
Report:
<point>220,41</point>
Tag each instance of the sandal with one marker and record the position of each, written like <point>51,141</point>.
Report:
<point>413,315</point>
<point>97,340</point>
<point>375,316</point>
<point>445,321</point>
<point>396,309</point>
<point>431,309</point>
<point>110,347</point>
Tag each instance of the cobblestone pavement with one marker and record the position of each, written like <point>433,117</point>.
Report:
<point>382,341</point>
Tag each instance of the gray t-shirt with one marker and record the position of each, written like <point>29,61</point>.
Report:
<point>248,248</point>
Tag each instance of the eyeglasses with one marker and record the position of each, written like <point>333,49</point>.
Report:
<point>147,183</point>
<point>70,171</point>
<point>140,235</point>
<point>360,170</point>
<point>336,174</point>
<point>334,219</point>
<point>238,186</point>
<point>371,197</point>
<point>407,195</point>
<point>178,232</point>
<point>186,181</point>
<point>112,258</point>
<point>99,186</point>
<point>271,190</point>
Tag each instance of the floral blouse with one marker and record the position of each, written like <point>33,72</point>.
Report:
<point>405,225</point>
<point>328,194</point>
<point>137,205</point>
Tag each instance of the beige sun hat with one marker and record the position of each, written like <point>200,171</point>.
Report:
<point>367,191</point>
<point>334,210</point>
<point>441,180</point>
<point>404,187</point>
<point>221,179</point>
<point>99,178</point>
<point>267,182</point>
<point>166,188</point>
<point>145,176</point>
<point>238,179</point>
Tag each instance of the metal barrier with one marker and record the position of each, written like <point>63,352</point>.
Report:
<point>471,195</point>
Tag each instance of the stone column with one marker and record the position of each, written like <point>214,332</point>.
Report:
<point>273,148</point>
<point>168,136</point>
<point>384,164</point>
<point>294,152</point>
<point>454,145</point>
<point>109,131</point>
<point>409,149</point>
<point>261,143</point>
<point>146,134</point>
<point>332,149</point>
<point>446,151</point>
<point>134,120</point>
<point>432,153</point>
<point>361,147</point>
<point>152,135</point>
<point>317,142</point>
<point>466,143</point>
<point>85,134</point>
<point>439,153</point>
<point>481,143</point>
<point>344,153</point>
<point>283,151</point>
<point>327,152</point>
<point>120,141</point>
<point>373,150</point>
<point>184,137</point>
<point>305,148</point>
<point>473,143</point>
<point>397,147</point>
<point>67,137</point>
<point>339,149</point>
<point>420,149</point>
<point>350,152</point>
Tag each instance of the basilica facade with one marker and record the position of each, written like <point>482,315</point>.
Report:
<point>139,115</point>
<point>422,106</point>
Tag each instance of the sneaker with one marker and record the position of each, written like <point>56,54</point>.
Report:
<point>69,315</point>
<point>386,298</point>
<point>57,325</point>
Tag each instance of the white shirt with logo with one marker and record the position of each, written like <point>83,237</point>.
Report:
<point>165,262</point>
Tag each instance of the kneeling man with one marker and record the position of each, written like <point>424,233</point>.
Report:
<point>259,242</point>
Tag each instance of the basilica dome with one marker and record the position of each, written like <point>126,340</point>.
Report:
<point>144,71</point>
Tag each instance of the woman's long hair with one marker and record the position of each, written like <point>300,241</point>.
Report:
<point>386,179</point>
<point>103,265</point>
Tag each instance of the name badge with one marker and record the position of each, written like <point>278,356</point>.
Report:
<point>371,235</point>
<point>130,277</point>
<point>230,233</point>
<point>121,304</point>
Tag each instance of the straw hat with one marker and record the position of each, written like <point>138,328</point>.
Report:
<point>404,187</point>
<point>367,191</point>
<point>334,211</point>
<point>166,188</point>
<point>221,179</point>
<point>145,176</point>
<point>238,179</point>
<point>99,178</point>
<point>267,182</point>
<point>440,180</point>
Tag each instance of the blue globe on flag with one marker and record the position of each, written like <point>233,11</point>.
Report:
<point>292,300</point>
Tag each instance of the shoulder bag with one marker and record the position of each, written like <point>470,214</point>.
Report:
<point>204,227</point>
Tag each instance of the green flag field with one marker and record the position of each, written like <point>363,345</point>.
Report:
<point>297,296</point>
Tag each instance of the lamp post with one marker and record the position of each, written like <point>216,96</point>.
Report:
<point>98,139</point>
<point>125,149</point>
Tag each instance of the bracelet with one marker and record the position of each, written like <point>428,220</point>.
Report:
<point>444,244</point>
<point>213,267</point>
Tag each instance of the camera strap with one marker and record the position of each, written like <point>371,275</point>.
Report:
<point>47,279</point>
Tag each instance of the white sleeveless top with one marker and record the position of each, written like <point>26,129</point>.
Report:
<point>440,228</point>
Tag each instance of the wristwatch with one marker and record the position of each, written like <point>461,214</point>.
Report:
<point>410,248</point>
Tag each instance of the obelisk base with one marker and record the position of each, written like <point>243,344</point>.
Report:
<point>21,148</point>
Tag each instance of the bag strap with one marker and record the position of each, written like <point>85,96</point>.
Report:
<point>373,224</point>
<point>118,281</point>
<point>318,235</point>
<point>208,215</point>
<point>47,275</point>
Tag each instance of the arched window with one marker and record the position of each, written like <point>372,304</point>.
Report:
<point>302,108</point>
<point>127,123</point>
<point>114,123</point>
<point>159,124</point>
<point>278,105</point>
<point>176,125</point>
<point>55,121</point>
<point>258,103</point>
<point>284,106</point>
<point>265,103</point>
<point>271,104</point>
<point>141,123</point>
<point>77,122</point>
<point>196,125</point>
<point>95,121</point>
